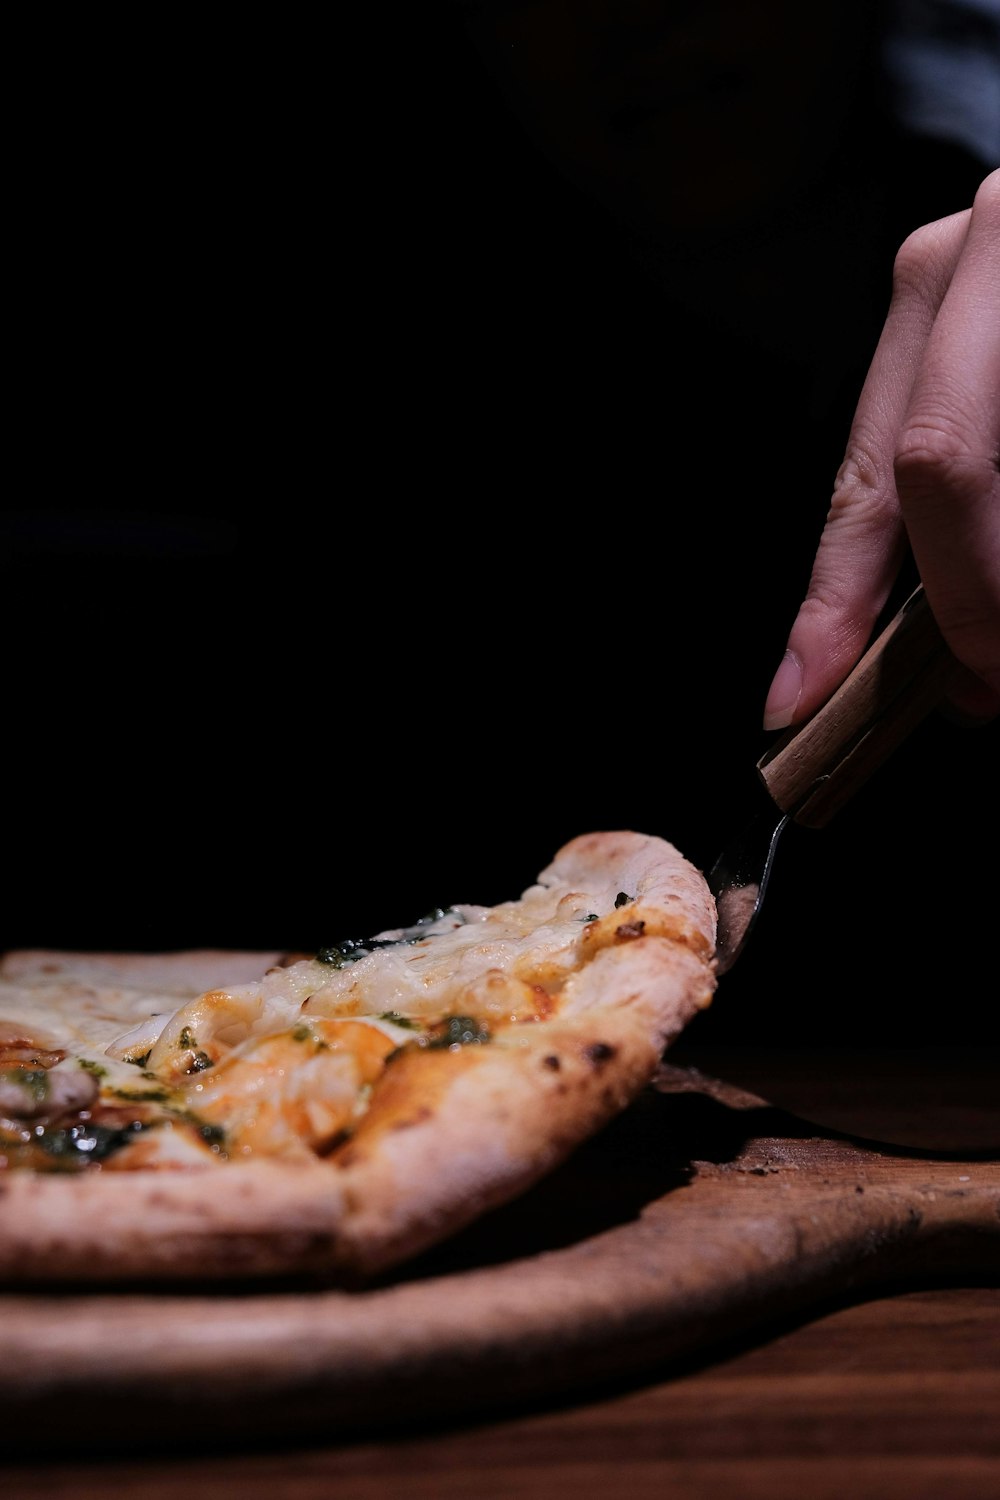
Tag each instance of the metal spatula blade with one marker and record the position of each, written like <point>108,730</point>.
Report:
<point>738,880</point>
<point>805,778</point>
<point>815,768</point>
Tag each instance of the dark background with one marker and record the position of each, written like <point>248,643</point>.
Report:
<point>381,525</point>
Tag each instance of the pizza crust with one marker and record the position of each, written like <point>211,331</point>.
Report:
<point>449,1133</point>
<point>188,972</point>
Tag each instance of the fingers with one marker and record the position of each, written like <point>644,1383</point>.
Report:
<point>947,466</point>
<point>920,471</point>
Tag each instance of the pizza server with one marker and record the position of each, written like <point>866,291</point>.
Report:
<point>805,778</point>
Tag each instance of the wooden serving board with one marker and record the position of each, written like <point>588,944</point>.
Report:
<point>700,1215</point>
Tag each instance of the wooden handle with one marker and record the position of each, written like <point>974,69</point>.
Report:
<point>816,767</point>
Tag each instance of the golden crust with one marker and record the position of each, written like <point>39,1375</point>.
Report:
<point>449,1132</point>
<point>462,1140</point>
<point>260,1218</point>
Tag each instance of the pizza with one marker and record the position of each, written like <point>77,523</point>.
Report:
<point>220,1115</point>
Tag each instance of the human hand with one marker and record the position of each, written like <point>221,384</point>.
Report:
<point>921,471</point>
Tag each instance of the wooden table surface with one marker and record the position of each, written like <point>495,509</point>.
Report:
<point>884,1391</point>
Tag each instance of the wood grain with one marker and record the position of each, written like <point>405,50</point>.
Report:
<point>815,768</point>
<point>897,1398</point>
<point>701,1216</point>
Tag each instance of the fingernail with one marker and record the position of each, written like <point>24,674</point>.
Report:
<point>786,690</point>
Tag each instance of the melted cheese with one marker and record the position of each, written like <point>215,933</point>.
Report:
<point>283,1064</point>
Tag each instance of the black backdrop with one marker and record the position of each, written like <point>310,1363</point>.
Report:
<point>383,528</point>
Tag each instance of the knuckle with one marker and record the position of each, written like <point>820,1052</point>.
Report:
<point>863,486</point>
<point>924,261</point>
<point>935,453</point>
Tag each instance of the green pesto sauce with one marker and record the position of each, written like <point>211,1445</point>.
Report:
<point>349,950</point>
<point>305,1033</point>
<point>77,1145</point>
<point>212,1135</point>
<point>35,1080</point>
<point>461,1031</point>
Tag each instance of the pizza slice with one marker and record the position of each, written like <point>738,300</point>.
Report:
<point>221,1116</point>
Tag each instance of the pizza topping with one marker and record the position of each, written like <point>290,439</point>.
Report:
<point>29,1056</point>
<point>294,1093</point>
<point>83,1143</point>
<point>69,1140</point>
<point>349,950</point>
<point>24,1065</point>
<point>458,1031</point>
<point>204,1031</point>
<point>199,1114</point>
<point>135,1045</point>
<point>23,1090</point>
<point>629,930</point>
<point>27,1093</point>
<point>643,921</point>
<point>291,1064</point>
